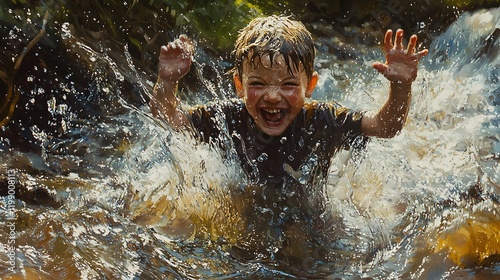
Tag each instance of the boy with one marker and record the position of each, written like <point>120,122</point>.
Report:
<point>284,143</point>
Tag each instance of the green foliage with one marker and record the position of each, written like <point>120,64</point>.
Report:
<point>23,2</point>
<point>281,7</point>
<point>216,21</point>
<point>469,4</point>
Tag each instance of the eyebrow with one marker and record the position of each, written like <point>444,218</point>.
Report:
<point>290,78</point>
<point>284,79</point>
<point>254,77</point>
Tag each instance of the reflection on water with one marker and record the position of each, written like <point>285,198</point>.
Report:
<point>123,197</point>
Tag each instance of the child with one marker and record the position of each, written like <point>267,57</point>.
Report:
<point>284,143</point>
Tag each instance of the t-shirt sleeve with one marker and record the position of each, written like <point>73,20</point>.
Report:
<point>354,138</point>
<point>342,125</point>
<point>208,121</point>
<point>203,123</point>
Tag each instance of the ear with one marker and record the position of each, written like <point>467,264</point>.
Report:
<point>312,84</point>
<point>238,85</point>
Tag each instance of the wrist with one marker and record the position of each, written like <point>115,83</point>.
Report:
<point>167,82</point>
<point>401,87</point>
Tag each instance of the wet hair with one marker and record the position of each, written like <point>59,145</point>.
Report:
<point>274,36</point>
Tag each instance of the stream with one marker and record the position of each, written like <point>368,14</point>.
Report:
<point>117,194</point>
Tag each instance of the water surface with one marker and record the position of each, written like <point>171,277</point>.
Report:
<point>119,195</point>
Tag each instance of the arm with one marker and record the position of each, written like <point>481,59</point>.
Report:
<point>175,61</point>
<point>400,69</point>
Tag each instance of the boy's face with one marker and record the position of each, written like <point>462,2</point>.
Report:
<point>273,94</point>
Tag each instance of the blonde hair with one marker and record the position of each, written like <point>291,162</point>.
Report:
<point>275,35</point>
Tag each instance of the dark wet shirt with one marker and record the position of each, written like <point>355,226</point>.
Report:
<point>283,196</point>
<point>302,154</point>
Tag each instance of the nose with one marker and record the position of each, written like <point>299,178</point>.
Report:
<point>272,95</point>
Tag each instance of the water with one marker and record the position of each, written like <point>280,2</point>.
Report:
<point>121,196</point>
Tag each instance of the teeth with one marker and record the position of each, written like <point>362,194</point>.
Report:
<point>272,111</point>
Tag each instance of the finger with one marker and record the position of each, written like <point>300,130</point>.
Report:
<point>399,39</point>
<point>422,53</point>
<point>179,44</point>
<point>388,40</point>
<point>184,41</point>
<point>187,44</point>
<point>189,47</point>
<point>411,45</point>
<point>172,45</point>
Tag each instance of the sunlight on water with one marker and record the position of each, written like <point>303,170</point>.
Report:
<point>148,202</point>
<point>450,144</point>
<point>187,186</point>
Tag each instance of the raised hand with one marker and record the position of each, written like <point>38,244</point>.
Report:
<point>175,59</point>
<point>401,64</point>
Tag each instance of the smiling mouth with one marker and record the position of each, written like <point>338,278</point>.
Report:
<point>273,116</point>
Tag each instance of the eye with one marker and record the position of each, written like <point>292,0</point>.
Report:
<point>289,85</point>
<point>256,84</point>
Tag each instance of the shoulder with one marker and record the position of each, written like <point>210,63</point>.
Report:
<point>208,120</point>
<point>332,109</point>
<point>315,105</point>
<point>331,114</point>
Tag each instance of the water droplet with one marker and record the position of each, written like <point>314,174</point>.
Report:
<point>262,157</point>
<point>12,35</point>
<point>51,105</point>
<point>301,142</point>
<point>305,169</point>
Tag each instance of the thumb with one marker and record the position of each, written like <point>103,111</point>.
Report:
<point>380,67</point>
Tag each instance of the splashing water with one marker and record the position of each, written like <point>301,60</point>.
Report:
<point>145,202</point>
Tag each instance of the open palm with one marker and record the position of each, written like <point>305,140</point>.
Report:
<point>401,64</point>
<point>175,59</point>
